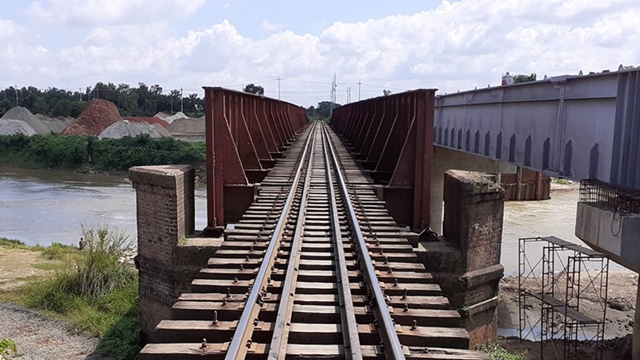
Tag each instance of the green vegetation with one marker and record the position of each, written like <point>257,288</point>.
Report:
<point>322,111</point>
<point>72,152</point>
<point>7,348</point>
<point>93,289</point>
<point>13,244</point>
<point>497,352</point>
<point>253,89</point>
<point>561,181</point>
<point>524,78</point>
<point>142,100</point>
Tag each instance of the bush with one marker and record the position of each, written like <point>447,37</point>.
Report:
<point>58,251</point>
<point>121,154</point>
<point>497,352</point>
<point>60,151</point>
<point>7,348</point>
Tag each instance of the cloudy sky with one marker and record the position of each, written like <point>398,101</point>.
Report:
<point>397,45</point>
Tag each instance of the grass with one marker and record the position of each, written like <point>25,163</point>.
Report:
<point>92,289</point>
<point>47,266</point>
<point>14,244</point>
<point>7,348</point>
<point>496,352</point>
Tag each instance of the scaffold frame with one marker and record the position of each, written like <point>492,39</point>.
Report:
<point>563,276</point>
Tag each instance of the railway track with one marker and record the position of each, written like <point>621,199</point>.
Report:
<point>316,268</point>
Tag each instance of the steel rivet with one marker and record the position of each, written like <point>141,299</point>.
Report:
<point>406,307</point>
<point>204,343</point>
<point>215,318</point>
<point>228,292</point>
<point>224,301</point>
<point>235,280</point>
<point>389,271</point>
<point>247,259</point>
<point>395,282</point>
<point>241,267</point>
<point>415,325</point>
<point>404,295</point>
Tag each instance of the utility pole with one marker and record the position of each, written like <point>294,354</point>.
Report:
<point>16,94</point>
<point>279,88</point>
<point>359,87</point>
<point>181,101</point>
<point>80,92</point>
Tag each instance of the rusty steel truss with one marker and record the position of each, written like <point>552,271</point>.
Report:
<point>245,133</point>
<point>393,137</point>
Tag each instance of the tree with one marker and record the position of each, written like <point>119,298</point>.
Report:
<point>386,92</point>
<point>40,106</point>
<point>254,89</point>
<point>62,108</point>
<point>324,109</point>
<point>524,78</point>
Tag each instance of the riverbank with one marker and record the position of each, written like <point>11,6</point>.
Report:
<point>88,153</point>
<point>88,297</point>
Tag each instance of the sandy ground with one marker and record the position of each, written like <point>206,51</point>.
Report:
<point>620,309</point>
<point>18,265</point>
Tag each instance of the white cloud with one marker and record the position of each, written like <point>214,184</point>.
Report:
<point>9,29</point>
<point>111,12</point>
<point>269,26</point>
<point>459,45</point>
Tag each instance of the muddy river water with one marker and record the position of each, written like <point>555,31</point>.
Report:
<point>41,207</point>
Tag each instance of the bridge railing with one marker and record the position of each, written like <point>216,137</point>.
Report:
<point>393,137</point>
<point>245,133</point>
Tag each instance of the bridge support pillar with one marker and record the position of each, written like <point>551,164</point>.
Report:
<point>167,259</point>
<point>445,159</point>
<point>466,260</point>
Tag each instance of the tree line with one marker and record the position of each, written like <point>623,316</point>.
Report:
<point>142,100</point>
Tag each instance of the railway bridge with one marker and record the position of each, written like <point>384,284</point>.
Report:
<point>305,254</point>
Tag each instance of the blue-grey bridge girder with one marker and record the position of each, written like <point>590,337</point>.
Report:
<point>575,127</point>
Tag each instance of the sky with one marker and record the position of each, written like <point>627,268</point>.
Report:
<point>369,45</point>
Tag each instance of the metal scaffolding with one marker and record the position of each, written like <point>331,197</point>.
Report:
<point>551,288</point>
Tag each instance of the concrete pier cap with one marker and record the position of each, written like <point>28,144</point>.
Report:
<point>465,261</point>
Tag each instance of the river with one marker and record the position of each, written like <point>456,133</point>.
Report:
<point>42,207</point>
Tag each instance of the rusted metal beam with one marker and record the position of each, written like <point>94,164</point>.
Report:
<point>244,134</point>
<point>393,135</point>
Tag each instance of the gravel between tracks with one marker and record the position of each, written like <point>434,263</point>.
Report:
<point>40,337</point>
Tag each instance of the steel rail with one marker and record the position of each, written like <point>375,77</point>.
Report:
<point>349,325</point>
<point>237,348</point>
<point>278,347</point>
<point>391,344</point>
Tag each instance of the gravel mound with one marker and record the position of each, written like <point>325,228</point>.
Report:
<point>20,113</point>
<point>39,337</point>
<point>161,130</point>
<point>171,118</point>
<point>148,120</point>
<point>57,124</point>
<point>125,128</point>
<point>98,116</point>
<point>187,126</point>
<point>11,126</point>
